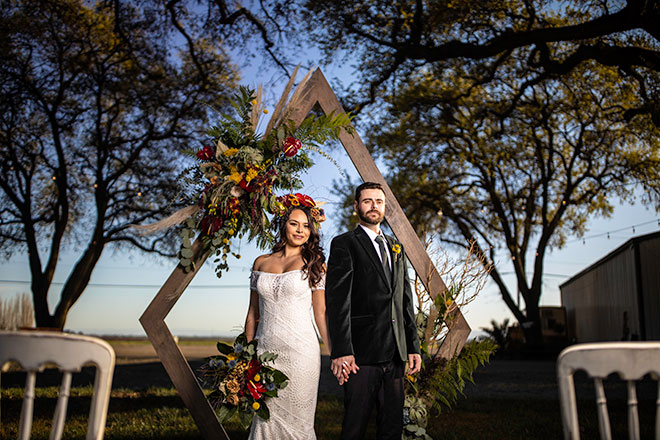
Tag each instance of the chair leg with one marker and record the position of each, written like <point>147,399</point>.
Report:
<point>28,405</point>
<point>60,410</point>
<point>603,416</point>
<point>657,413</point>
<point>633,416</point>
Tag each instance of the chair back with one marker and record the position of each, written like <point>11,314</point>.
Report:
<point>631,360</point>
<point>33,349</point>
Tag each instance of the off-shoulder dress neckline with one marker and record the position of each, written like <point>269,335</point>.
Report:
<point>278,273</point>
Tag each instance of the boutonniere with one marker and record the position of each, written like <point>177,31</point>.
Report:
<point>396,251</point>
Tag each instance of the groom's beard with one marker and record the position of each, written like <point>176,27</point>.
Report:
<point>369,217</point>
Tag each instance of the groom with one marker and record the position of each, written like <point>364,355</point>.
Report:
<point>371,320</point>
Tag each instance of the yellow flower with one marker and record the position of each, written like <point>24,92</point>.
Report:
<point>279,208</point>
<point>230,151</point>
<point>231,232</point>
<point>294,202</point>
<point>251,174</point>
<point>396,249</point>
<point>235,175</point>
<point>266,111</point>
<point>225,241</point>
<point>232,356</point>
<point>257,378</point>
<point>256,406</point>
<point>412,378</point>
<point>253,102</point>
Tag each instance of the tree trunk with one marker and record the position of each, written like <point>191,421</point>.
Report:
<point>532,327</point>
<point>72,290</point>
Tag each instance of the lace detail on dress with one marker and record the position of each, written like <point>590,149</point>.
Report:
<point>320,285</point>
<point>286,328</point>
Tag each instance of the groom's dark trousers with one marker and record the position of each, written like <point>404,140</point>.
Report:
<point>379,386</point>
<point>370,316</point>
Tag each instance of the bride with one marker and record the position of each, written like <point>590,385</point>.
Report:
<point>287,286</point>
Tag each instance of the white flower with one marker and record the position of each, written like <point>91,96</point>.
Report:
<point>220,148</point>
<point>236,191</point>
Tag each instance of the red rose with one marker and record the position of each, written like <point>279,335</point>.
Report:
<point>206,153</point>
<point>305,200</point>
<point>246,186</point>
<point>291,146</point>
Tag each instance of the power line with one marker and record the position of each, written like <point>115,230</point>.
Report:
<point>545,274</point>
<point>141,286</point>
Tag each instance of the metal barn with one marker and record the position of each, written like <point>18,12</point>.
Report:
<point>618,297</point>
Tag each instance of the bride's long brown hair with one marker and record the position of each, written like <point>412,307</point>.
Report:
<point>312,252</point>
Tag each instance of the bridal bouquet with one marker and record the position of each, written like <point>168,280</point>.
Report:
<point>241,381</point>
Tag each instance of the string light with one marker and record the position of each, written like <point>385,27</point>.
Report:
<point>625,228</point>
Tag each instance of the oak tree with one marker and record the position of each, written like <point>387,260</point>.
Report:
<point>95,103</point>
<point>518,179</point>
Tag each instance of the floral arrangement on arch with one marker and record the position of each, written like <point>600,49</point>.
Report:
<point>240,380</point>
<point>231,191</point>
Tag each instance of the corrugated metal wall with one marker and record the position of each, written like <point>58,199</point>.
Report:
<point>596,300</point>
<point>649,252</point>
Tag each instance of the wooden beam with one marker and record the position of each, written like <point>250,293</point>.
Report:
<point>316,90</point>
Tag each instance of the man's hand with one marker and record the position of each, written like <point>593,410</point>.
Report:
<point>414,363</point>
<point>342,366</point>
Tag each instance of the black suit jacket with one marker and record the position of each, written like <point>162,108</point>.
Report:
<point>369,316</point>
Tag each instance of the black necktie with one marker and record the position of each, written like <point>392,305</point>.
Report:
<point>383,255</point>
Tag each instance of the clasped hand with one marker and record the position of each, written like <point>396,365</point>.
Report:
<point>342,367</point>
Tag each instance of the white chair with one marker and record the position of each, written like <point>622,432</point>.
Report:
<point>33,349</point>
<point>631,360</point>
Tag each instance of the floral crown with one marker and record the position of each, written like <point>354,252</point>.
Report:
<point>288,202</point>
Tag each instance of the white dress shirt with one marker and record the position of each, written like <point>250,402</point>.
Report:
<point>372,236</point>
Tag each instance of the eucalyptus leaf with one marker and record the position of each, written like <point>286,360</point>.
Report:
<point>245,419</point>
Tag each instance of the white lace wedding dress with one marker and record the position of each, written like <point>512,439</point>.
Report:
<point>286,328</point>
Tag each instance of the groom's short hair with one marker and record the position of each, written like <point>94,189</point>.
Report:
<point>367,185</point>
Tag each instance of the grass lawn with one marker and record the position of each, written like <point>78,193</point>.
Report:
<point>159,413</point>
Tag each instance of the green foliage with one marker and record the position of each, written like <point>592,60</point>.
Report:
<point>499,333</point>
<point>240,381</point>
<point>440,384</point>
<point>240,171</point>
<point>396,40</point>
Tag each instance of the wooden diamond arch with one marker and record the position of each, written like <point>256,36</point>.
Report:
<point>315,90</point>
